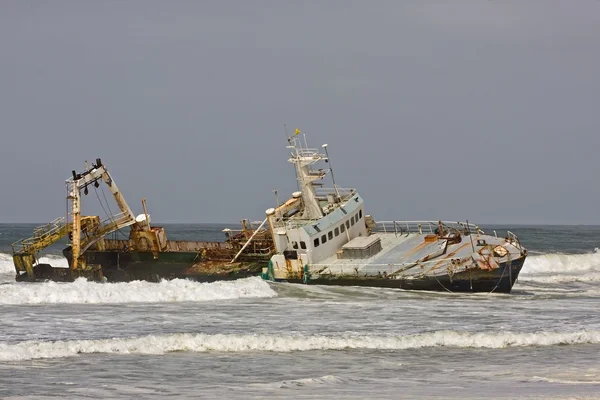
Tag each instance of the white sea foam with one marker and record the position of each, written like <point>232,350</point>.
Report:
<point>161,344</point>
<point>589,277</point>
<point>6,264</point>
<point>562,263</point>
<point>322,380</point>
<point>574,381</point>
<point>301,382</point>
<point>551,269</point>
<point>177,290</point>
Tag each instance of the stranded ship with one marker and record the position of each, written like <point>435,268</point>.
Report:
<point>319,236</point>
<point>324,237</point>
<point>144,254</point>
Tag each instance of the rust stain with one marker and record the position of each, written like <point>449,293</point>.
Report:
<point>418,247</point>
<point>450,255</point>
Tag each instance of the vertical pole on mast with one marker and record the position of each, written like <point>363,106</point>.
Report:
<point>331,169</point>
<point>76,224</point>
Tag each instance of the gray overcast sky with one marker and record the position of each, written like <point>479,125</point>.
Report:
<point>482,110</point>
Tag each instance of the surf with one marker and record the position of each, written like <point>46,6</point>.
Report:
<point>178,290</point>
<point>284,343</point>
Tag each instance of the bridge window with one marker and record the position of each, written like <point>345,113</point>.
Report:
<point>324,239</point>
<point>360,214</point>
<point>348,224</point>
<point>337,232</point>
<point>330,235</point>
<point>316,242</point>
<point>295,245</point>
<point>303,245</point>
<point>343,228</point>
<point>352,220</point>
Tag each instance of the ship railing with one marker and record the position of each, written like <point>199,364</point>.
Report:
<point>234,235</point>
<point>514,239</point>
<point>40,234</point>
<point>117,221</point>
<point>404,227</point>
<point>251,227</point>
<point>344,193</point>
<point>49,228</point>
<point>307,152</point>
<point>21,245</point>
<point>293,223</point>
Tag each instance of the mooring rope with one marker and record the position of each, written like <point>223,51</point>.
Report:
<point>501,276</point>
<point>441,284</point>
<point>492,291</point>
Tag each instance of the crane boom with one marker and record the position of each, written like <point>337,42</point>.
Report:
<point>92,176</point>
<point>84,231</point>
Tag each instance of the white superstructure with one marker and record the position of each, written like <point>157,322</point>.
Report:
<point>323,236</point>
<point>316,222</point>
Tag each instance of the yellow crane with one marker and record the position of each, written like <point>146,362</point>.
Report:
<point>83,231</point>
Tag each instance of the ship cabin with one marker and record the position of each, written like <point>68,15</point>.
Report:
<point>316,222</point>
<point>312,241</point>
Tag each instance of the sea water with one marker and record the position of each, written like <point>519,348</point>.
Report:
<point>253,339</point>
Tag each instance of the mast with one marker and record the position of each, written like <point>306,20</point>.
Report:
<point>303,160</point>
<point>327,160</point>
<point>92,176</point>
<point>75,197</point>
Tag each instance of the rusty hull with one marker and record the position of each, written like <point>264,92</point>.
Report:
<point>148,255</point>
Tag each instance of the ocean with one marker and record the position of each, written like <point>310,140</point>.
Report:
<point>252,339</point>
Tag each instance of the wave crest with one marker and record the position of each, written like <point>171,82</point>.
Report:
<point>177,290</point>
<point>161,344</point>
<point>562,263</point>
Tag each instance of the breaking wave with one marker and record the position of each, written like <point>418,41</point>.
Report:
<point>162,344</point>
<point>562,268</point>
<point>561,263</point>
<point>178,290</point>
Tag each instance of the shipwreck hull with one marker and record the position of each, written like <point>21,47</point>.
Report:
<point>138,265</point>
<point>500,280</point>
<point>112,266</point>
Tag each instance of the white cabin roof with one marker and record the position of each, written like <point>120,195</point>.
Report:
<point>362,242</point>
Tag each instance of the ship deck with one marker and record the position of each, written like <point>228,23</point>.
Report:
<point>407,255</point>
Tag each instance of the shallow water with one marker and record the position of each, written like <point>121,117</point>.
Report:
<point>252,339</point>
